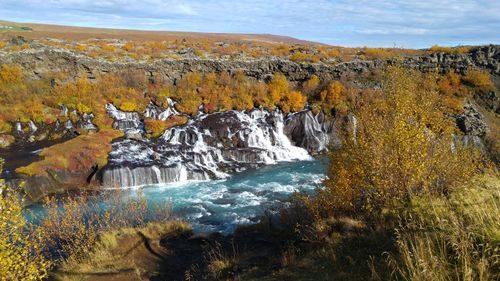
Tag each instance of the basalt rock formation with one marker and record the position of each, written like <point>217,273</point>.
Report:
<point>40,59</point>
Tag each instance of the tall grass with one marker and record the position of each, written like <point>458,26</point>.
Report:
<point>73,226</point>
<point>455,238</point>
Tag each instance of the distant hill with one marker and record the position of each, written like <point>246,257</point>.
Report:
<point>63,32</point>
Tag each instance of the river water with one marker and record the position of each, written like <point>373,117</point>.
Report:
<point>222,205</point>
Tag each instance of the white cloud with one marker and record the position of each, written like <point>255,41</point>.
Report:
<point>345,22</point>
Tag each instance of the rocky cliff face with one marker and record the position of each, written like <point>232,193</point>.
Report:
<point>42,59</point>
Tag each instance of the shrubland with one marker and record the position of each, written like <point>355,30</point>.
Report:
<point>403,200</point>
<point>149,50</point>
<point>76,234</point>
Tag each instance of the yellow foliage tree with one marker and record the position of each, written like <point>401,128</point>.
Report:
<point>128,106</point>
<point>189,101</point>
<point>21,256</point>
<point>402,146</point>
<point>296,101</point>
<point>278,88</point>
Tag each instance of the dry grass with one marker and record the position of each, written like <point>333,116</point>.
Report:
<point>221,265</point>
<point>450,50</point>
<point>454,238</point>
<point>122,250</point>
<point>76,226</point>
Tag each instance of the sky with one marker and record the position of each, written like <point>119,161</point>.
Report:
<point>374,23</point>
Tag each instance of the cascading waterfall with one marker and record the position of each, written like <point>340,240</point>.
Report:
<point>124,121</point>
<point>210,146</point>
<point>156,112</point>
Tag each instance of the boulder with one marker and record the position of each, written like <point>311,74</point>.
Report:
<point>471,122</point>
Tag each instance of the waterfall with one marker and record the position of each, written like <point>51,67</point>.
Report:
<point>18,127</point>
<point>156,112</point>
<point>209,146</point>
<point>140,176</point>
<point>85,122</point>
<point>124,121</point>
<point>32,126</point>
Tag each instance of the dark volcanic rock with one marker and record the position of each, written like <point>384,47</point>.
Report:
<point>489,100</point>
<point>18,40</point>
<point>471,122</point>
<point>43,59</point>
<point>314,132</point>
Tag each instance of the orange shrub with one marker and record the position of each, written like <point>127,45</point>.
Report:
<point>280,50</point>
<point>479,79</point>
<point>451,50</point>
<point>10,74</point>
<point>129,46</point>
<point>157,127</point>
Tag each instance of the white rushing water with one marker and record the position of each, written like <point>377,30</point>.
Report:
<point>211,146</point>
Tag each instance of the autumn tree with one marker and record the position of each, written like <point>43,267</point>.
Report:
<point>310,86</point>
<point>21,256</point>
<point>241,90</point>
<point>278,88</point>
<point>259,92</point>
<point>400,146</point>
<point>334,97</point>
<point>295,101</point>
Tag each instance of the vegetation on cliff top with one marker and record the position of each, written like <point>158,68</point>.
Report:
<point>78,154</point>
<point>39,100</point>
<point>157,127</point>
